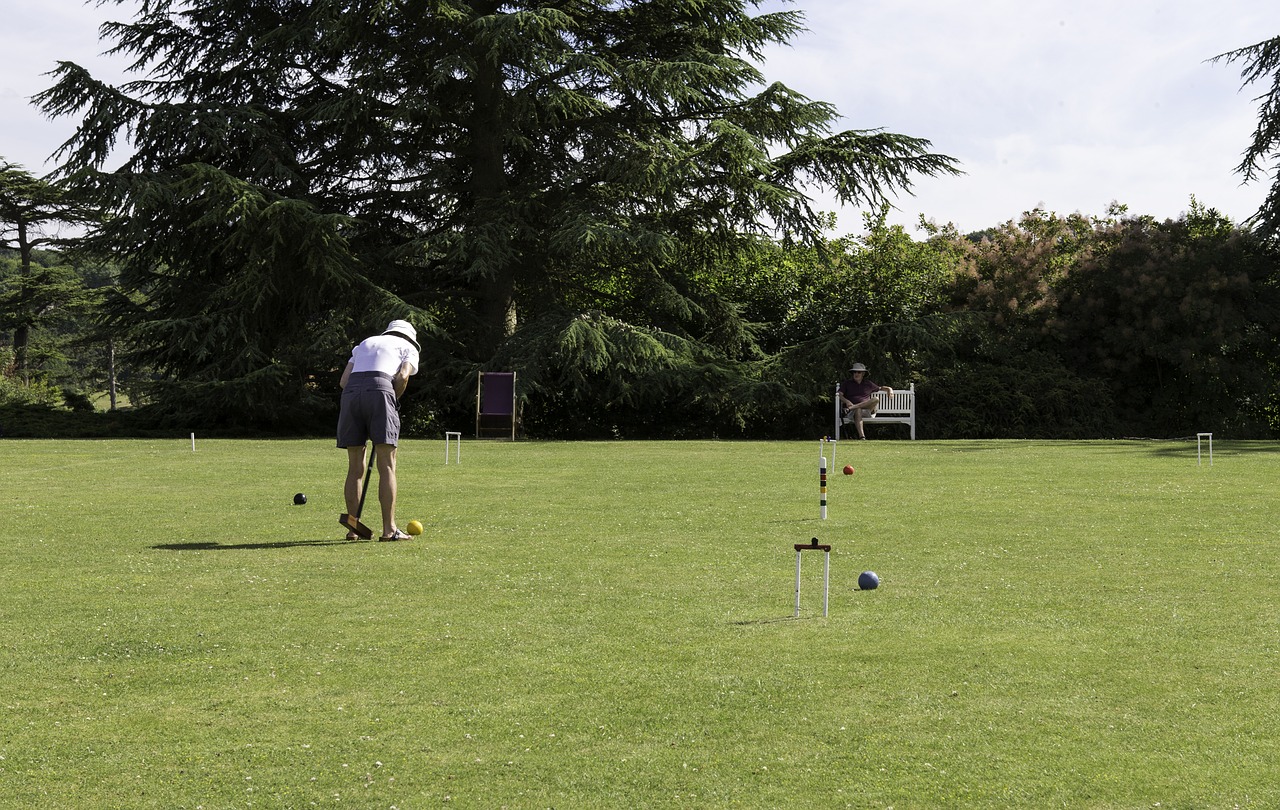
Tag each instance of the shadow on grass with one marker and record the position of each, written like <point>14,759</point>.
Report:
<point>779,620</point>
<point>1222,448</point>
<point>1176,446</point>
<point>213,546</point>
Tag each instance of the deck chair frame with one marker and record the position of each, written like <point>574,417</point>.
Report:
<point>496,403</point>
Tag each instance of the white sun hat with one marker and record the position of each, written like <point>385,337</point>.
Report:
<point>405,330</point>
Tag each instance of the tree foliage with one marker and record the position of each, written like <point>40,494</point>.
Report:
<point>55,301</point>
<point>512,174</point>
<point>32,293</point>
<point>1085,327</point>
<point>1184,315</point>
<point>1261,63</point>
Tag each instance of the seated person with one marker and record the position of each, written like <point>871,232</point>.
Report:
<point>859,397</point>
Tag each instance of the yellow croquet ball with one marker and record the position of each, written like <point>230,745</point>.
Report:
<point>414,528</point>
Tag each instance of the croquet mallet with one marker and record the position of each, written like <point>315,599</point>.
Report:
<point>352,522</point>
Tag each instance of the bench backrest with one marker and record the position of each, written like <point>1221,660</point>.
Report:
<point>902,401</point>
<point>899,407</point>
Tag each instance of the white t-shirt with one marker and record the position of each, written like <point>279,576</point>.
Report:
<point>384,353</point>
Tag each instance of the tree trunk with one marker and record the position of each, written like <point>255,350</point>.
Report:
<point>21,339</point>
<point>111,371</point>
<point>496,304</point>
<point>22,333</point>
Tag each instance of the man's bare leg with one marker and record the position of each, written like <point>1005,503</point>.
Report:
<point>867,407</point>
<point>387,486</point>
<point>355,478</point>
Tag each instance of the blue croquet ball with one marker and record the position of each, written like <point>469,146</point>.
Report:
<point>868,580</point>
<point>299,499</point>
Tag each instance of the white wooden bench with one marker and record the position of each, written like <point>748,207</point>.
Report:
<point>897,408</point>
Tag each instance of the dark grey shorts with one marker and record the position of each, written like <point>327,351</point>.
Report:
<point>368,411</point>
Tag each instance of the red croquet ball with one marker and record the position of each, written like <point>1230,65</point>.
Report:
<point>848,469</point>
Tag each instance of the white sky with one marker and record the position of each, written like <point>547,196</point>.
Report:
<point>1062,104</point>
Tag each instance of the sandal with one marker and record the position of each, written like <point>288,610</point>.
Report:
<point>352,537</point>
<point>396,535</point>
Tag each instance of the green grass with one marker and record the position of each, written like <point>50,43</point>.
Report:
<point>1091,624</point>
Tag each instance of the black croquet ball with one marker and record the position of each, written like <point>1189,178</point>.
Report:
<point>868,580</point>
<point>299,499</point>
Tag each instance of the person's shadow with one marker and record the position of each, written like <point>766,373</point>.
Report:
<point>209,545</point>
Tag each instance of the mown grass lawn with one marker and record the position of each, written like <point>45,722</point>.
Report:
<point>1092,624</point>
